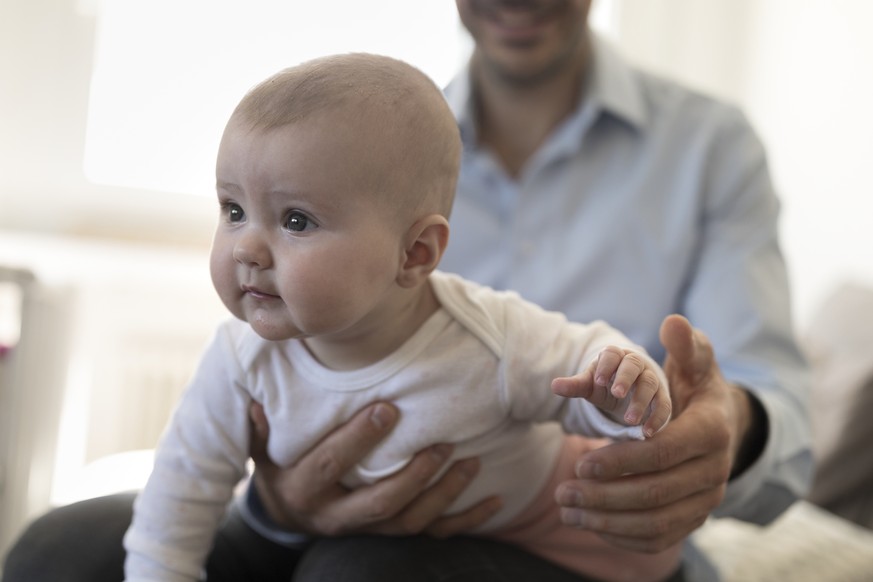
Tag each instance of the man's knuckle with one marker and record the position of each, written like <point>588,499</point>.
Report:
<point>328,466</point>
<point>379,509</point>
<point>665,455</point>
<point>657,545</point>
<point>658,526</point>
<point>656,495</point>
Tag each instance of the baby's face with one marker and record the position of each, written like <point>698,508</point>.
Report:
<point>302,248</point>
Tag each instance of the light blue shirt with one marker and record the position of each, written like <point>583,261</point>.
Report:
<point>648,200</point>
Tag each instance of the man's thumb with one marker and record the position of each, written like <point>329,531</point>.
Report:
<point>677,336</point>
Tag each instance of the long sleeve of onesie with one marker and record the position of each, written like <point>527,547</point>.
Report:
<point>200,459</point>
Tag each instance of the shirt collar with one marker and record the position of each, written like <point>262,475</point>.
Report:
<point>613,87</point>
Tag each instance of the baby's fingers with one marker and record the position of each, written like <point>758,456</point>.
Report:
<point>645,388</point>
<point>630,367</point>
<point>578,386</point>
<point>660,410</point>
<point>607,365</point>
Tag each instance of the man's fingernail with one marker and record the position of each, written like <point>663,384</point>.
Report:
<point>568,497</point>
<point>588,469</point>
<point>573,517</point>
<point>382,416</point>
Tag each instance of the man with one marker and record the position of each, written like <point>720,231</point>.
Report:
<point>579,173</point>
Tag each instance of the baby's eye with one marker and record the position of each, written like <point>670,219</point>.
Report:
<point>233,212</point>
<point>298,222</point>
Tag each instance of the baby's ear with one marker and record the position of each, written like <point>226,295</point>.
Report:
<point>424,245</point>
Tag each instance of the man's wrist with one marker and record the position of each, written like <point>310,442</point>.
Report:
<point>752,429</point>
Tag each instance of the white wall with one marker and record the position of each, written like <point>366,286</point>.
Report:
<point>46,57</point>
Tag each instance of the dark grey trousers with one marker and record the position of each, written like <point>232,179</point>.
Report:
<point>82,543</point>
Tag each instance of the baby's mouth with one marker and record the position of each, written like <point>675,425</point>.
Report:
<point>258,293</point>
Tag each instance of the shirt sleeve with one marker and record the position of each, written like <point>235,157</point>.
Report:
<point>198,462</point>
<point>739,294</point>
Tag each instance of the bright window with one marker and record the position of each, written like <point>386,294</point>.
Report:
<point>167,73</point>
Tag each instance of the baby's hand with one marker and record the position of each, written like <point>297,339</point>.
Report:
<point>624,385</point>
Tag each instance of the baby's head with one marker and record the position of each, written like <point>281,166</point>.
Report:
<point>336,179</point>
<point>397,129</point>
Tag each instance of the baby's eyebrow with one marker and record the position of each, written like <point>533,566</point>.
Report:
<point>229,186</point>
<point>310,198</point>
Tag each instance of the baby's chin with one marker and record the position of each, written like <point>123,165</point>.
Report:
<point>273,333</point>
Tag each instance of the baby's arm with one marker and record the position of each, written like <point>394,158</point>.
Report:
<point>200,459</point>
<point>624,385</point>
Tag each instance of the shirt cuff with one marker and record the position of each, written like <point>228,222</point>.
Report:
<point>770,484</point>
<point>252,510</point>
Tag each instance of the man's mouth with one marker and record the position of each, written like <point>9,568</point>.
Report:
<point>516,13</point>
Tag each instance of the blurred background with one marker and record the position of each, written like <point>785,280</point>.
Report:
<point>110,115</point>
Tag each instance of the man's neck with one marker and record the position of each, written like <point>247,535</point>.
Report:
<point>513,120</point>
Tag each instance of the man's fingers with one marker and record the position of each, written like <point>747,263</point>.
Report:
<point>688,348</point>
<point>638,492</point>
<point>402,504</point>
<point>677,336</point>
<point>646,531</point>
<point>424,506</point>
<point>690,364</point>
<point>660,453</point>
<point>331,458</point>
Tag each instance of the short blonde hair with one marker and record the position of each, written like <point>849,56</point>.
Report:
<point>400,106</point>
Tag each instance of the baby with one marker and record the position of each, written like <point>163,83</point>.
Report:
<point>335,181</point>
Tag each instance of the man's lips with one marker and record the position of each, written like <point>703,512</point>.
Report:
<point>518,13</point>
<point>258,293</point>
<point>518,27</point>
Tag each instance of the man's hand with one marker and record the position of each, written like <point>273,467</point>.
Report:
<point>307,497</point>
<point>648,495</point>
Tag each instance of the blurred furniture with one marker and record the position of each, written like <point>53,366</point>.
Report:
<point>839,342</point>
<point>33,366</point>
<point>829,536</point>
